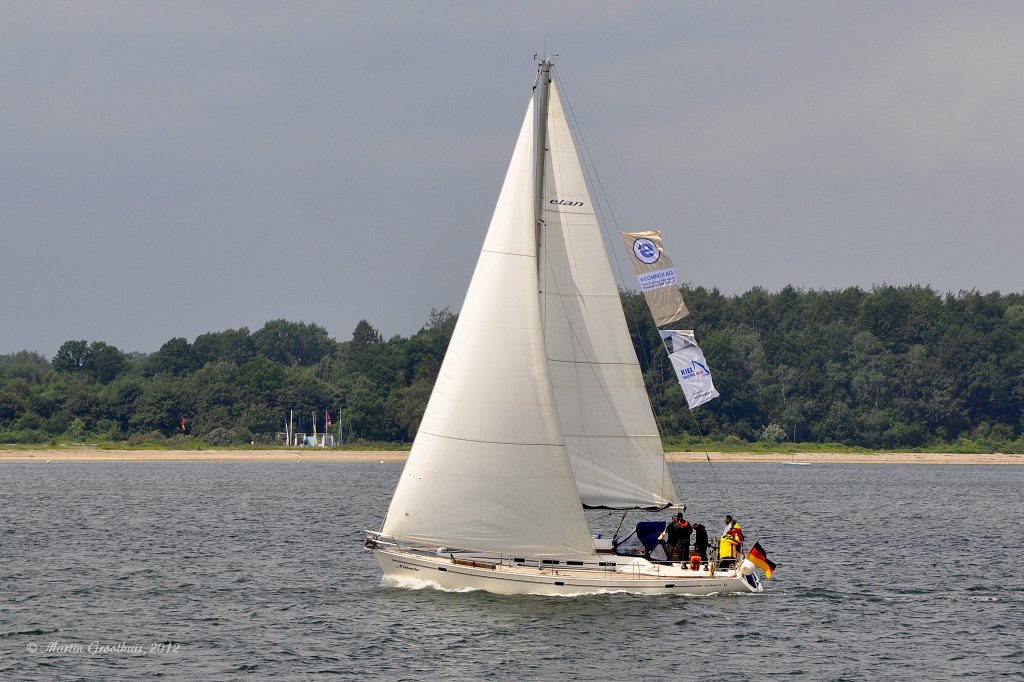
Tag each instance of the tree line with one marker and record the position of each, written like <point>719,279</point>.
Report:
<point>892,367</point>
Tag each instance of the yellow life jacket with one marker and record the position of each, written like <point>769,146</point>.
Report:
<point>727,547</point>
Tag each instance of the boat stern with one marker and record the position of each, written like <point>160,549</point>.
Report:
<point>749,576</point>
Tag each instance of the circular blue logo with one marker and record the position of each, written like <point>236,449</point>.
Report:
<point>646,251</point>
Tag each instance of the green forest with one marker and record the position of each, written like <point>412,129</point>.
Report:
<point>891,368</point>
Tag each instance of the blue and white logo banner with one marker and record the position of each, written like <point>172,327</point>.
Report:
<point>690,367</point>
<point>656,275</point>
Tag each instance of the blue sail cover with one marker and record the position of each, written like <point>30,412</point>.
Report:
<point>648,532</point>
<point>643,541</point>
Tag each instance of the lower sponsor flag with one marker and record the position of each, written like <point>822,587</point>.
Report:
<point>690,366</point>
<point>761,560</point>
<point>328,420</point>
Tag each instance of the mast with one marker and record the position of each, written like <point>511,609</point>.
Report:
<point>541,135</point>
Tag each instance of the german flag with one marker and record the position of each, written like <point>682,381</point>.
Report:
<point>761,560</point>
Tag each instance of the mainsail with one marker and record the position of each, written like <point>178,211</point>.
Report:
<point>610,432</point>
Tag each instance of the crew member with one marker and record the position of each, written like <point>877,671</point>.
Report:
<point>700,541</point>
<point>728,550</point>
<point>731,542</point>
<point>678,536</point>
<point>737,532</point>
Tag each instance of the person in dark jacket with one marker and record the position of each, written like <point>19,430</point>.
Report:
<point>700,541</point>
<point>678,537</point>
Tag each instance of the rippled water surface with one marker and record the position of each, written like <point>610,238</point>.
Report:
<point>885,572</point>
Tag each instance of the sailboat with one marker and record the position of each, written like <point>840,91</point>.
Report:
<point>539,411</point>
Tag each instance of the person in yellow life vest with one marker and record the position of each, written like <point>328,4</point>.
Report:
<point>730,544</point>
<point>728,548</point>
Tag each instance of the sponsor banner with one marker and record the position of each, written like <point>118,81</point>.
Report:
<point>690,367</point>
<point>656,280</point>
<point>656,275</point>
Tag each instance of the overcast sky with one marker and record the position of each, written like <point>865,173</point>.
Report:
<point>173,168</point>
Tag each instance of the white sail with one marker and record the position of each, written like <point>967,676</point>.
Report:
<point>610,432</point>
<point>488,469</point>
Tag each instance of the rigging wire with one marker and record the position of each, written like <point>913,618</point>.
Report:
<point>714,472</point>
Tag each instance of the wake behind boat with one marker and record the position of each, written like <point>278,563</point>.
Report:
<point>539,410</point>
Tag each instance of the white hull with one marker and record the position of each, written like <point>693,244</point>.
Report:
<point>417,569</point>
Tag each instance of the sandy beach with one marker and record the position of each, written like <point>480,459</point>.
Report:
<point>86,454</point>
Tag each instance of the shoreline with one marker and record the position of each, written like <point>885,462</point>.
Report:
<point>86,454</point>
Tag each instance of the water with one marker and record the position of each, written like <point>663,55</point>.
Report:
<point>221,570</point>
